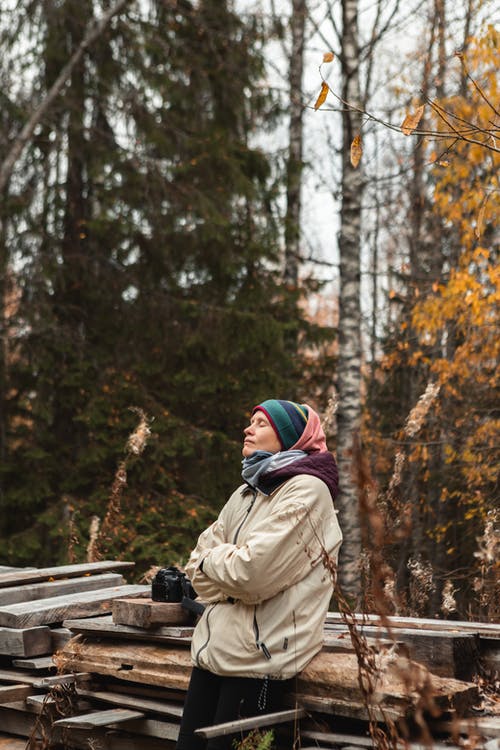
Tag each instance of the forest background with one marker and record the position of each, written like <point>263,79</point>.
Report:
<point>208,203</point>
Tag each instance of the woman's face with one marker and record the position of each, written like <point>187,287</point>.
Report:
<point>260,436</point>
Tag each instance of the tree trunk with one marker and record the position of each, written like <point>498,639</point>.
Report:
<point>349,358</point>
<point>294,167</point>
<point>4,266</point>
<point>72,284</point>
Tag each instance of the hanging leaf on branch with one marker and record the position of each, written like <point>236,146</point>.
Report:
<point>356,150</point>
<point>480,218</point>
<point>412,120</point>
<point>322,95</point>
<point>328,57</point>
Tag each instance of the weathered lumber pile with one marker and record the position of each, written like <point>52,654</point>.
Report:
<point>34,602</point>
<point>122,675</point>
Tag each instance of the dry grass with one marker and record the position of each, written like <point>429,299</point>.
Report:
<point>385,522</point>
<point>60,702</point>
<point>102,538</point>
<point>487,583</point>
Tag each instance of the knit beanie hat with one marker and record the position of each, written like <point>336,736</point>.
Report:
<point>287,419</point>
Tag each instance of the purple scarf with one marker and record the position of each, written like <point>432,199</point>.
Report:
<point>321,465</point>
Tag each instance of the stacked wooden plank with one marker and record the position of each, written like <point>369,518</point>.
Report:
<point>132,652</point>
<point>124,673</point>
<point>34,602</point>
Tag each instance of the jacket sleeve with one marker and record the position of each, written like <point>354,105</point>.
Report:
<point>281,549</point>
<point>213,536</point>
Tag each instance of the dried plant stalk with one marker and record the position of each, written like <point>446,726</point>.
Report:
<point>329,413</point>
<point>417,415</point>
<point>92,551</point>
<point>487,583</point>
<point>73,540</point>
<point>448,603</point>
<point>135,445</point>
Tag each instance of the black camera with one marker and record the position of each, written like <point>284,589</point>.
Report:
<point>171,585</point>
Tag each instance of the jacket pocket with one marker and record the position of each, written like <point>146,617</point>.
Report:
<point>258,641</point>
<point>273,624</point>
<point>204,633</point>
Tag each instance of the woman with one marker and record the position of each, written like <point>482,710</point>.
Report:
<point>259,570</point>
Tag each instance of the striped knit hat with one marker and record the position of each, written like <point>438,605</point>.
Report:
<point>287,419</point>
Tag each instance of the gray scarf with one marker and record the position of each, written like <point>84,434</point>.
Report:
<point>261,462</point>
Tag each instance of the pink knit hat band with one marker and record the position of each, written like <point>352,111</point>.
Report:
<point>313,438</point>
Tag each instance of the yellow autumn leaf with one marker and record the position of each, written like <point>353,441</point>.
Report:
<point>356,150</point>
<point>328,57</point>
<point>480,219</point>
<point>411,120</point>
<point>322,95</point>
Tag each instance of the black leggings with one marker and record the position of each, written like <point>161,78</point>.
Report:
<point>212,699</point>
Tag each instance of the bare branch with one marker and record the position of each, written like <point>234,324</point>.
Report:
<point>462,134</point>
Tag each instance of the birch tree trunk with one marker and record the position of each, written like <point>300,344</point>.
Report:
<point>349,358</point>
<point>294,166</point>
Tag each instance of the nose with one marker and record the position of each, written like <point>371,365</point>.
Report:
<point>248,429</point>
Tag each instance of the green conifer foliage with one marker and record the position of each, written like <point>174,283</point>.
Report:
<point>146,258</point>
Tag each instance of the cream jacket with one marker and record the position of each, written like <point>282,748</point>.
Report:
<point>264,582</point>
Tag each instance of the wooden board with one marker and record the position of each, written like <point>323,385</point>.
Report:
<point>11,693</point>
<point>114,718</point>
<point>36,664</point>
<point>138,690</point>
<point>59,637</point>
<point>131,701</point>
<point>61,679</point>
<point>11,568</point>
<point>132,662</point>
<point>11,743</point>
<point>49,589</point>
<point>346,708</point>
<point>145,613</point>
<point>44,702</point>
<point>251,722</point>
<point>349,740</point>
<point>17,676</point>
<point>492,630</point>
<point>476,726</point>
<point>147,729</point>
<point>333,676</point>
<point>22,723</point>
<point>98,719</point>
<point>444,654</point>
<point>16,722</point>
<point>59,608</point>
<point>25,641</point>
<point>336,738</point>
<point>104,627</point>
<point>35,575</point>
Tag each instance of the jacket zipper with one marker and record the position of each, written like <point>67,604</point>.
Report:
<point>260,644</point>
<point>209,612</point>
<point>203,647</point>
<point>235,538</point>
